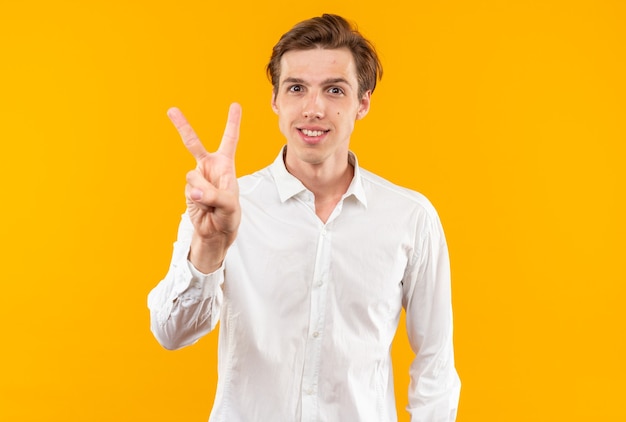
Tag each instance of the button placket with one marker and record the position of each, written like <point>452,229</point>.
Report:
<point>317,315</point>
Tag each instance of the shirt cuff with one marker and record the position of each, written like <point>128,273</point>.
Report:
<point>200,284</point>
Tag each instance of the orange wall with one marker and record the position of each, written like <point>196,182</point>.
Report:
<point>508,115</point>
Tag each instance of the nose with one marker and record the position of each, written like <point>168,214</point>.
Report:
<point>313,107</point>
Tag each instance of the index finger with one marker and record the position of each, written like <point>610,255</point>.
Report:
<point>231,131</point>
<point>190,139</point>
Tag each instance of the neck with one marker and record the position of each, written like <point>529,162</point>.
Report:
<point>328,181</point>
<point>325,178</point>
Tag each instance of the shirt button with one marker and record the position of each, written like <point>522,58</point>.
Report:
<point>316,334</point>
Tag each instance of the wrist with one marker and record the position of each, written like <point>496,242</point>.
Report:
<point>207,255</point>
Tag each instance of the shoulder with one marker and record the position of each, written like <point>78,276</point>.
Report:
<point>250,182</point>
<point>381,192</point>
<point>403,210</point>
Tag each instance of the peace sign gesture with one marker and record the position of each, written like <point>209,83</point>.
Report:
<point>212,191</point>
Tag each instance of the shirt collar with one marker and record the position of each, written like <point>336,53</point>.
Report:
<point>289,186</point>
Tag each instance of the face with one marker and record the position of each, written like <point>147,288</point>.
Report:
<point>317,104</point>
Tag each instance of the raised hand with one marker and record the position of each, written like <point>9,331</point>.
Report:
<point>212,191</point>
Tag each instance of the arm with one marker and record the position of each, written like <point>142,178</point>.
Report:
<point>185,305</point>
<point>435,385</point>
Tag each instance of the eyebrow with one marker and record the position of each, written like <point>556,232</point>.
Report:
<point>325,82</point>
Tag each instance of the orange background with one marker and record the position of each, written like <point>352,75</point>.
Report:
<point>508,115</point>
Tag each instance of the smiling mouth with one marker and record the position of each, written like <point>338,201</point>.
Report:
<point>313,133</point>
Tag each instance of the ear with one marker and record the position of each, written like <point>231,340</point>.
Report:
<point>274,106</point>
<point>364,105</point>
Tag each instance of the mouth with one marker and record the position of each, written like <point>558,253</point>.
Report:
<point>313,133</point>
<point>312,136</point>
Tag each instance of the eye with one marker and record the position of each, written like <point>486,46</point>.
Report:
<point>336,90</point>
<point>295,88</point>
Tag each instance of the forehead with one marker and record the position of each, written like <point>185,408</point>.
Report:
<point>318,63</point>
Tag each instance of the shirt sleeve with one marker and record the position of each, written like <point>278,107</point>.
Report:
<point>435,385</point>
<point>186,304</point>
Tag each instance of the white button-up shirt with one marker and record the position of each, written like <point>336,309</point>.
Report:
<point>308,310</point>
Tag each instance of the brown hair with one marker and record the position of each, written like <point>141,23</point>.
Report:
<point>330,32</point>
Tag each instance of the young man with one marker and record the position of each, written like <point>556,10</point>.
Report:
<point>308,262</point>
